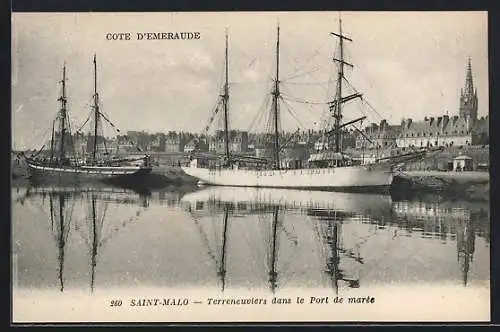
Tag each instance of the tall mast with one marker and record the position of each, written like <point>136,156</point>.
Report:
<point>52,143</point>
<point>276,94</point>
<point>63,114</point>
<point>96,111</point>
<point>338,108</point>
<point>225,99</point>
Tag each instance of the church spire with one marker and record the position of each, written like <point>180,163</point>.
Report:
<point>469,85</point>
<point>468,98</point>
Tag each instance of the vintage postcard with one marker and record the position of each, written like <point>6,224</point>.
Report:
<point>250,167</point>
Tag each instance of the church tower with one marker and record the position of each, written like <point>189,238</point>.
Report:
<point>468,98</point>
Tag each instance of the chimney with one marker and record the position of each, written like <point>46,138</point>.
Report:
<point>409,121</point>
<point>439,121</point>
<point>426,119</point>
<point>431,121</point>
<point>446,119</point>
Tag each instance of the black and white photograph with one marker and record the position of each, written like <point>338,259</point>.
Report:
<point>250,167</point>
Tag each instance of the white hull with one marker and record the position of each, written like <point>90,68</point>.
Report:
<point>358,178</point>
<point>295,199</point>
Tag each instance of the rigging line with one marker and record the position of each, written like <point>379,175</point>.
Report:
<point>301,74</point>
<point>262,110</point>
<point>316,52</point>
<point>213,113</point>
<point>363,99</point>
<point>289,109</point>
<point>308,83</point>
<point>71,139</point>
<point>88,118</point>
<point>373,109</point>
<point>43,140</point>
<point>251,82</point>
<point>295,64</point>
<point>302,101</point>
<point>103,138</point>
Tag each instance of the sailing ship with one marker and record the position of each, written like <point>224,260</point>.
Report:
<point>340,172</point>
<point>63,164</point>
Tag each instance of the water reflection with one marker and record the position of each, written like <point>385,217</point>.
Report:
<point>250,238</point>
<point>61,230</point>
<point>328,209</point>
<point>429,219</point>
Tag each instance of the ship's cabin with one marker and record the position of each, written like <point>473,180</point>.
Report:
<point>331,159</point>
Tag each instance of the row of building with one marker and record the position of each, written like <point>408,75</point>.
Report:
<point>462,129</point>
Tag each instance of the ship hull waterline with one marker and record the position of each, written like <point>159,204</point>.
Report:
<point>347,179</point>
<point>84,174</point>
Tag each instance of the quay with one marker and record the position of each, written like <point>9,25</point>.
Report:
<point>465,177</point>
<point>469,185</point>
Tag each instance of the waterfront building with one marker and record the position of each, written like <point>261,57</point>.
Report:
<point>481,134</point>
<point>463,163</point>
<point>460,130</point>
<point>196,144</point>
<point>433,132</point>
<point>175,142</point>
<point>380,136</point>
<point>157,142</point>
<point>326,141</point>
<point>238,141</point>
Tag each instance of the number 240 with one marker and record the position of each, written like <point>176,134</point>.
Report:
<point>115,303</point>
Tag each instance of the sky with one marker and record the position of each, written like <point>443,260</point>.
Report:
<point>406,65</point>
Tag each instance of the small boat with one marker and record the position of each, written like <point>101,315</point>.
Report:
<point>63,163</point>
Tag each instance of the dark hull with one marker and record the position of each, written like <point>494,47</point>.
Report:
<point>76,175</point>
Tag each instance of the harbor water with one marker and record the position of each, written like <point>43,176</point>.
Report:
<point>97,241</point>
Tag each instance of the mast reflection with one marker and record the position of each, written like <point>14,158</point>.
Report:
<point>222,267</point>
<point>328,224</point>
<point>63,204</point>
<point>329,232</point>
<point>60,220</point>
<point>273,273</point>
